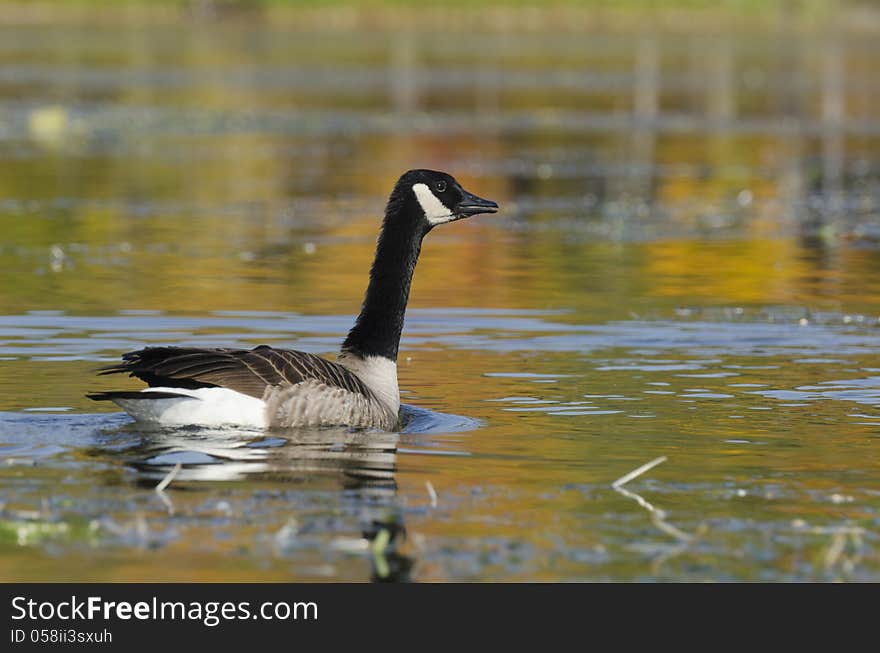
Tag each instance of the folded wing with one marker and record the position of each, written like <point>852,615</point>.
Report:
<point>248,371</point>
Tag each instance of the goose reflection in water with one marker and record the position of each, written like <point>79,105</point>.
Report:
<point>364,461</point>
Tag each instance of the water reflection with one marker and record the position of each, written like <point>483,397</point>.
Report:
<point>361,458</point>
<point>364,462</point>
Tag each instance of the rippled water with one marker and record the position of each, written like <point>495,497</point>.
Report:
<point>692,276</point>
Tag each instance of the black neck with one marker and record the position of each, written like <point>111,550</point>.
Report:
<point>380,323</point>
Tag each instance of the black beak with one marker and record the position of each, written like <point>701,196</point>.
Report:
<point>472,205</point>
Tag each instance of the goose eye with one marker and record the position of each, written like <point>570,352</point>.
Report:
<point>440,186</point>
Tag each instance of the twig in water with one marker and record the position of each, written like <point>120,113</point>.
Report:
<point>431,493</point>
<point>836,553</point>
<point>626,478</point>
<point>169,504</point>
<point>164,483</point>
<point>658,517</point>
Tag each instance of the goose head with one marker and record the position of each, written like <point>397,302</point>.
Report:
<point>431,198</point>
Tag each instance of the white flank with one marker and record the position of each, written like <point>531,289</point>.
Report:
<point>378,373</point>
<point>202,407</point>
<point>435,211</point>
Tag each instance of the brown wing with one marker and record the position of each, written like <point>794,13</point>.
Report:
<point>249,371</point>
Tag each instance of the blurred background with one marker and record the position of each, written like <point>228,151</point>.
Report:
<point>234,127</point>
<point>685,264</point>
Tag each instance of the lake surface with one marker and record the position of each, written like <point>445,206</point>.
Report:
<point>685,265</point>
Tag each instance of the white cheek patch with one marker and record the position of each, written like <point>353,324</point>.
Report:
<point>435,211</point>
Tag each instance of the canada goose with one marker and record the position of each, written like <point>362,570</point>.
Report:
<point>268,387</point>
